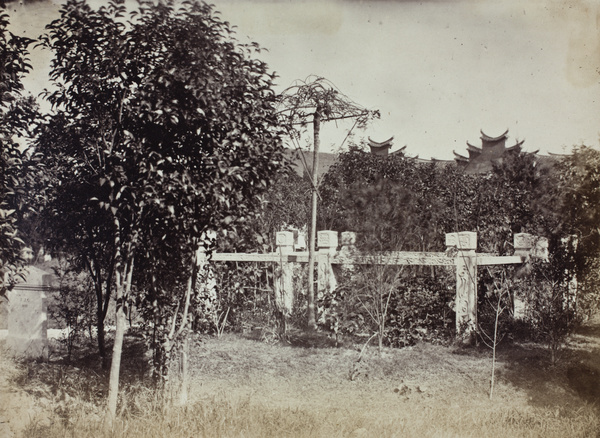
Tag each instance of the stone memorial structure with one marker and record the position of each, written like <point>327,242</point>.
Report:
<point>460,254</point>
<point>465,244</point>
<point>327,243</point>
<point>28,315</point>
<point>283,284</point>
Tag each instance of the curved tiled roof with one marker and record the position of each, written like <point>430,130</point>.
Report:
<point>486,137</point>
<point>517,147</point>
<point>377,144</point>
<point>459,157</point>
<point>400,151</point>
<point>470,147</point>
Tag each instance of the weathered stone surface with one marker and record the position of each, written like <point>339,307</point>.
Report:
<point>283,284</point>
<point>27,324</point>
<point>327,239</point>
<point>348,239</point>
<point>462,240</point>
<point>529,245</point>
<point>284,238</point>
<point>327,242</point>
<point>465,243</point>
<point>28,316</point>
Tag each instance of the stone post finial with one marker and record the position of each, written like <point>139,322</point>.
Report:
<point>465,240</point>
<point>523,242</point>
<point>529,245</point>
<point>327,240</point>
<point>284,238</point>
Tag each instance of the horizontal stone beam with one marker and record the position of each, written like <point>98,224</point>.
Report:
<point>391,258</point>
<point>499,260</point>
<point>301,257</point>
<point>397,258</point>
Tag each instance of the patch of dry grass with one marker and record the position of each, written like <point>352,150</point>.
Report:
<point>242,387</point>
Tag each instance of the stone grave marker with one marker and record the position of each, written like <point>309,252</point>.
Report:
<point>28,315</point>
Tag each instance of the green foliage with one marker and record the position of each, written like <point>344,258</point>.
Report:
<point>372,211</point>
<point>551,295</point>
<point>16,163</point>
<point>397,201</point>
<point>72,306</point>
<point>422,202</point>
<point>246,289</point>
<point>389,196</point>
<point>285,204</point>
<point>579,187</point>
<point>341,313</point>
<point>419,308</point>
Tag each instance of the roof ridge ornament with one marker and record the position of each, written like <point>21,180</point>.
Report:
<point>387,142</point>
<point>484,136</point>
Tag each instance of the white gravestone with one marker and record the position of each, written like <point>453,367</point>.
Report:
<point>28,316</point>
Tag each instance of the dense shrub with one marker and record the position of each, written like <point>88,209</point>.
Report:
<point>422,310</point>
<point>243,295</point>
<point>550,295</point>
<point>419,308</point>
<point>396,203</point>
<point>71,306</point>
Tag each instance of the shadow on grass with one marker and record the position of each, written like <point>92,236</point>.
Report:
<point>576,374</point>
<point>298,338</point>
<point>311,339</point>
<point>82,374</point>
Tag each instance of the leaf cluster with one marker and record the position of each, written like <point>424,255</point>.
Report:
<point>420,202</point>
<point>300,102</point>
<point>17,165</point>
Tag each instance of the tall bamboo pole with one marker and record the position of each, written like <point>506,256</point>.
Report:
<point>312,324</point>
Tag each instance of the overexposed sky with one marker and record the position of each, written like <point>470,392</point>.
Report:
<point>438,71</point>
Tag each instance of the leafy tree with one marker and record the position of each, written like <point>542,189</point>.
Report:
<point>579,186</point>
<point>70,223</point>
<point>550,296</point>
<point>168,130</point>
<point>16,161</point>
<point>316,100</point>
<point>514,198</point>
<point>385,199</point>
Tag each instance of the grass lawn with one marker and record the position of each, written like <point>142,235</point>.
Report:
<point>243,387</point>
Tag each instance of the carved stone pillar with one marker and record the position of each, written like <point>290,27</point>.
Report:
<point>327,242</point>
<point>465,244</point>
<point>283,284</point>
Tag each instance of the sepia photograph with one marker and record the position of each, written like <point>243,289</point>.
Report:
<point>277,218</point>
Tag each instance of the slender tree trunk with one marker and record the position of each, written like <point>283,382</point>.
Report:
<point>101,339</point>
<point>185,377</point>
<point>311,320</point>
<point>185,348</point>
<point>94,271</point>
<point>184,328</point>
<point>499,310</point>
<point>123,288</point>
<point>115,368</point>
